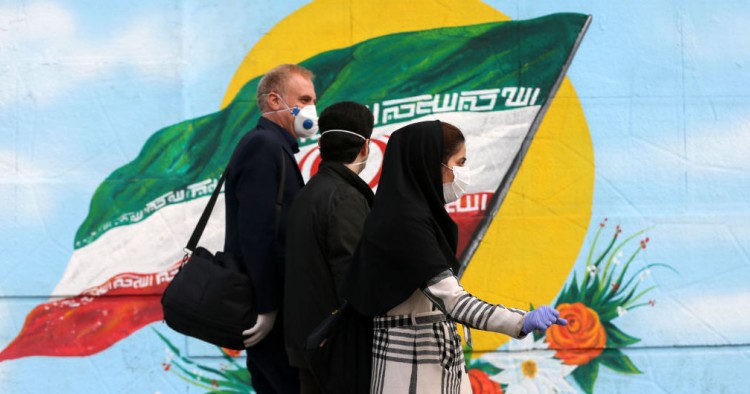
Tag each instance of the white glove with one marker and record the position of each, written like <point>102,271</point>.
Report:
<point>262,327</point>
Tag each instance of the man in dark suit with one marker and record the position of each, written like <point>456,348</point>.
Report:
<point>324,227</point>
<point>262,166</point>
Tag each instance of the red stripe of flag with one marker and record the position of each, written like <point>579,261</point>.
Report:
<point>93,321</point>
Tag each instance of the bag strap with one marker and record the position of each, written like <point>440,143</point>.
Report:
<point>203,221</point>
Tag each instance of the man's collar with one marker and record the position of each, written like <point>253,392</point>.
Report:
<point>349,176</point>
<point>271,125</point>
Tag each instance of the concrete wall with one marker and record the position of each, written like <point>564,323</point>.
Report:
<point>644,148</point>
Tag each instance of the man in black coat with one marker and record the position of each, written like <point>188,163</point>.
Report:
<point>324,227</point>
<point>261,167</point>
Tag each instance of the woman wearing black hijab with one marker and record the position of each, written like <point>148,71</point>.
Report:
<point>403,272</point>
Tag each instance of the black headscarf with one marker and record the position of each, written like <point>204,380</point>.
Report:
<point>408,236</point>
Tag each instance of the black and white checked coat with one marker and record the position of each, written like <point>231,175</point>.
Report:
<point>416,348</point>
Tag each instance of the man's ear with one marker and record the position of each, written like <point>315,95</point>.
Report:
<point>273,101</point>
<point>365,150</point>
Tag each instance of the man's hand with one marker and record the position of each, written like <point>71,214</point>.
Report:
<point>541,319</point>
<point>262,327</point>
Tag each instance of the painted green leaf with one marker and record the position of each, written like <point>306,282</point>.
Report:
<point>585,375</point>
<point>616,338</point>
<point>486,367</point>
<point>618,361</point>
<point>570,293</point>
<point>468,355</point>
<point>225,391</point>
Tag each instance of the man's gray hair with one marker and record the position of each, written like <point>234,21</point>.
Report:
<point>275,81</point>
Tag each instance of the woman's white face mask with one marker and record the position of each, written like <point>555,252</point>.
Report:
<point>452,191</point>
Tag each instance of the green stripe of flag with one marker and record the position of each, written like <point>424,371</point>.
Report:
<point>182,162</point>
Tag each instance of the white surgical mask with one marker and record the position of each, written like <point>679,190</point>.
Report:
<point>362,163</point>
<point>305,119</point>
<point>452,191</point>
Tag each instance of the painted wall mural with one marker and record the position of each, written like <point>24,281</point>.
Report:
<point>612,180</point>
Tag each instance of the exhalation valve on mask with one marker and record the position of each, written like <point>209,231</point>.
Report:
<point>305,121</point>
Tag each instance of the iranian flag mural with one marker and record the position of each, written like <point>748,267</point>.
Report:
<point>493,80</point>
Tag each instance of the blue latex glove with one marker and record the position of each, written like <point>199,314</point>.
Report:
<point>541,319</point>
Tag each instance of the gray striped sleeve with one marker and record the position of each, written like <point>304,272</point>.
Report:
<point>450,297</point>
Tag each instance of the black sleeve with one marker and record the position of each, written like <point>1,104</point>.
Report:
<point>348,212</point>
<point>257,187</point>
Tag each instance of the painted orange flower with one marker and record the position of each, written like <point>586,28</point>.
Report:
<point>582,340</point>
<point>231,352</point>
<point>481,383</point>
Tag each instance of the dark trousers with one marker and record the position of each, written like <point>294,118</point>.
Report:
<point>307,382</point>
<point>269,366</point>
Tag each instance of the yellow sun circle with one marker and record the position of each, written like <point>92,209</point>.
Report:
<point>534,240</point>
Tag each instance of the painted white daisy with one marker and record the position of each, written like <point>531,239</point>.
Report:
<point>617,258</point>
<point>621,311</point>
<point>529,367</point>
<point>592,269</point>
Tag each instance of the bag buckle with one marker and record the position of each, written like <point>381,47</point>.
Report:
<point>186,257</point>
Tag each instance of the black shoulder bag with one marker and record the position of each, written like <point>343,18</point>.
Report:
<point>339,352</point>
<point>211,297</point>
